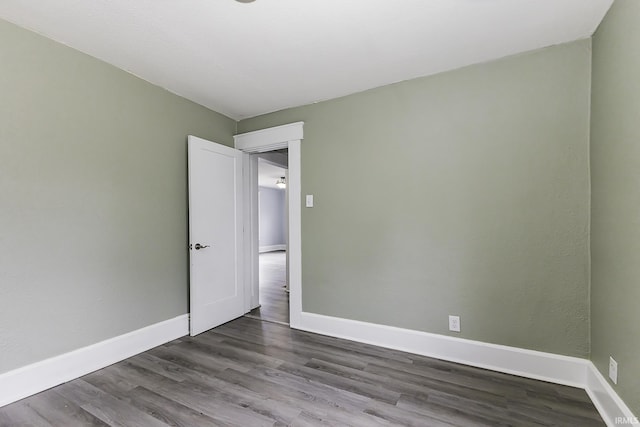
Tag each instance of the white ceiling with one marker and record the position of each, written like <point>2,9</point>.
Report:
<point>243,60</point>
<point>268,174</point>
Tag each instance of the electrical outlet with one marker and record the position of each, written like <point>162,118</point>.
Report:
<point>454,323</point>
<point>613,370</point>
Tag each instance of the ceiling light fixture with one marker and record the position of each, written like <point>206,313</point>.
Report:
<point>281,183</point>
<point>245,1</point>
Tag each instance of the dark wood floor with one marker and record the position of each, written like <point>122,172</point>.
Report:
<point>274,299</point>
<point>253,373</point>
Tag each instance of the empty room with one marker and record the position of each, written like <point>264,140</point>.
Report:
<point>320,212</point>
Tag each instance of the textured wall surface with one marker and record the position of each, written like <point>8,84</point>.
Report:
<point>615,217</point>
<point>93,198</point>
<point>463,193</point>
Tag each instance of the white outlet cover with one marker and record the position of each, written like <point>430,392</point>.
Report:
<point>454,323</point>
<point>613,370</point>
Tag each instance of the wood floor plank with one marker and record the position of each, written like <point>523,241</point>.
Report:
<point>547,416</point>
<point>20,414</point>
<point>59,411</point>
<point>160,366</point>
<point>169,411</point>
<point>452,410</point>
<point>295,354</point>
<point>404,387</point>
<point>560,404</point>
<point>402,417</point>
<point>272,335</point>
<point>235,357</point>
<point>200,361</point>
<point>106,407</point>
<point>304,401</point>
<point>335,396</point>
<point>373,391</point>
<point>318,400</point>
<point>308,420</point>
<point>274,299</point>
<point>448,385</point>
<point>217,388</point>
<point>217,404</point>
<point>110,380</point>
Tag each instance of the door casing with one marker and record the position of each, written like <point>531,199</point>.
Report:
<point>290,137</point>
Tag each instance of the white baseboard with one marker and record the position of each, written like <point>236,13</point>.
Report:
<point>40,376</point>
<point>607,401</point>
<point>272,248</point>
<point>572,371</point>
<point>554,368</point>
<point>511,360</point>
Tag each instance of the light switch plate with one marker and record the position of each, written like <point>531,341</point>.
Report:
<point>309,203</point>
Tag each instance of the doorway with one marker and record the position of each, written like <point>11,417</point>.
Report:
<point>288,136</point>
<point>212,305</point>
<point>273,291</point>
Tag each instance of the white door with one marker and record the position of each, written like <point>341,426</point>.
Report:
<point>215,234</point>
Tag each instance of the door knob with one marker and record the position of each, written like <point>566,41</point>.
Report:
<point>199,246</point>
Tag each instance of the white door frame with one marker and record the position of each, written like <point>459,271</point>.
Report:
<point>286,136</point>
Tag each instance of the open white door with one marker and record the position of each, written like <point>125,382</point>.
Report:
<point>215,234</point>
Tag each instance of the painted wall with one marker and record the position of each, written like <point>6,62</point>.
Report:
<point>615,180</point>
<point>272,218</point>
<point>93,198</point>
<point>462,193</point>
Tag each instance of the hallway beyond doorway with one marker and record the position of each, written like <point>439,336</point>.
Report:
<point>274,299</point>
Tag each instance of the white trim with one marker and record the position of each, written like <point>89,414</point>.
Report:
<point>269,139</point>
<point>272,248</point>
<point>250,206</point>
<point>272,139</point>
<point>605,399</point>
<point>40,376</point>
<point>294,252</point>
<point>511,360</point>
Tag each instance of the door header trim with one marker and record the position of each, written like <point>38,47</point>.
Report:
<point>269,139</point>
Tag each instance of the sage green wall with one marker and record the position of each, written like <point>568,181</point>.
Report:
<point>462,193</point>
<point>615,180</point>
<point>93,198</point>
